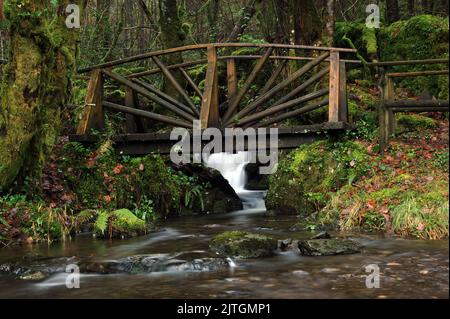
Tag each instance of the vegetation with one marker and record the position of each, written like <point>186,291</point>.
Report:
<point>51,188</point>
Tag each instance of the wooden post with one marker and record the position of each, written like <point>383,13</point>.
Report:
<point>134,123</point>
<point>333,115</point>
<point>93,114</point>
<point>209,114</point>
<point>343,98</point>
<point>386,115</point>
<point>390,114</point>
<point>232,80</point>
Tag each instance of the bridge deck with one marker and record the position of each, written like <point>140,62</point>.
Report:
<point>145,143</point>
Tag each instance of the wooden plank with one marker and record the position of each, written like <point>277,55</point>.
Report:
<point>273,77</point>
<point>185,65</point>
<point>144,92</point>
<point>232,80</point>
<point>417,103</point>
<point>333,113</point>
<point>418,73</point>
<point>175,84</point>
<point>343,97</point>
<point>209,113</point>
<point>409,62</point>
<point>147,114</point>
<point>191,82</point>
<point>421,109</point>
<point>93,116</point>
<point>293,114</point>
<point>164,96</point>
<point>134,123</point>
<point>246,87</point>
<point>316,77</point>
<point>266,97</point>
<point>148,55</point>
<point>278,108</point>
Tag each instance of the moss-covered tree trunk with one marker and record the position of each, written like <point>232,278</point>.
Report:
<point>35,87</point>
<point>172,36</point>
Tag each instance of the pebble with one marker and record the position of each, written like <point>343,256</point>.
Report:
<point>300,273</point>
<point>330,270</point>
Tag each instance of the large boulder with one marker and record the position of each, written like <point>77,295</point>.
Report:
<point>220,197</point>
<point>328,247</point>
<point>243,245</point>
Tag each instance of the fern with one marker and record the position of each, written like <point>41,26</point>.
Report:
<point>101,224</point>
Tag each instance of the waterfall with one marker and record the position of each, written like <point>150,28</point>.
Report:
<point>232,168</point>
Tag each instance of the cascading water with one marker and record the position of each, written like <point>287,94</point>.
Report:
<point>232,168</point>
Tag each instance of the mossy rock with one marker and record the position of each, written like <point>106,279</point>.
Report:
<point>119,223</point>
<point>306,177</point>
<point>243,244</point>
<point>415,122</point>
<point>328,247</point>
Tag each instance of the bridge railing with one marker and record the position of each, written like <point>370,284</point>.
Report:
<point>277,101</point>
<point>389,105</point>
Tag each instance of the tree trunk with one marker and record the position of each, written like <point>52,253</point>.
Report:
<point>213,13</point>
<point>412,7</point>
<point>172,36</point>
<point>35,88</point>
<point>392,11</point>
<point>331,21</point>
<point>247,14</point>
<point>307,24</point>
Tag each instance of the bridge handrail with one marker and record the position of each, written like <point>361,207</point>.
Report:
<point>192,47</point>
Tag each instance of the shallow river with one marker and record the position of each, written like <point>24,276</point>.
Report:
<point>408,268</point>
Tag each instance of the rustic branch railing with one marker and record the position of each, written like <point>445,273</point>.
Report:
<point>222,109</point>
<point>389,106</point>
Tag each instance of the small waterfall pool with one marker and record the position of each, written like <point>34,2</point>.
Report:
<point>232,168</point>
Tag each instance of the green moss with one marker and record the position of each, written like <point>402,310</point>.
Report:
<point>119,223</point>
<point>415,122</point>
<point>243,244</point>
<point>306,177</point>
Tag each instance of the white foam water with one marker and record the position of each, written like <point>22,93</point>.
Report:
<point>232,168</point>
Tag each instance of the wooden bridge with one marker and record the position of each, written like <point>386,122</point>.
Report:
<point>235,106</point>
<point>319,81</point>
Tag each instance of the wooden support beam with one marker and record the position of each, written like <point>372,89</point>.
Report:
<point>270,83</point>
<point>175,84</point>
<point>248,83</point>
<point>409,62</point>
<point>93,115</point>
<point>421,109</point>
<point>343,97</point>
<point>144,92</point>
<point>191,82</point>
<point>316,77</point>
<point>146,114</point>
<point>164,96</point>
<point>278,108</point>
<point>134,123</point>
<point>209,113</point>
<point>418,73</point>
<point>266,97</point>
<point>412,104</point>
<point>232,80</point>
<point>292,114</point>
<point>333,113</point>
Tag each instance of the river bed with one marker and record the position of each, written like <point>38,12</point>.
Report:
<point>408,268</point>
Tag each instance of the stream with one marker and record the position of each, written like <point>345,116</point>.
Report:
<point>408,268</point>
